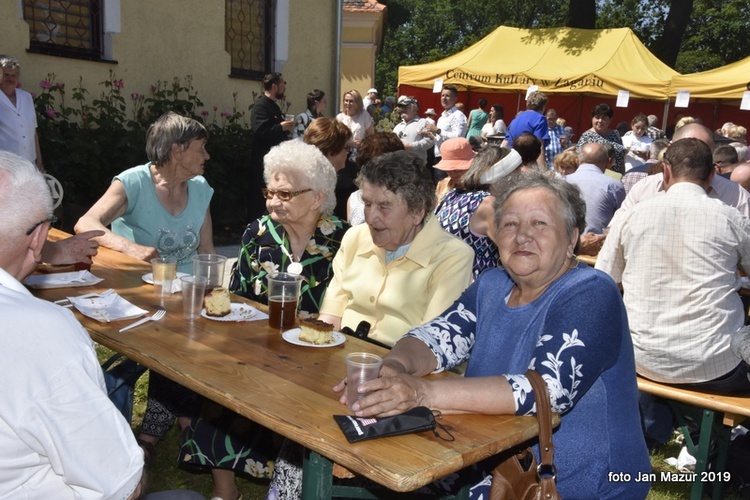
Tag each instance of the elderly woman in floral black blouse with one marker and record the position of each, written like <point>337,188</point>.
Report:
<point>298,228</point>
<point>298,232</point>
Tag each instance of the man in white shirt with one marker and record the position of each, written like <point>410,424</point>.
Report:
<point>60,436</point>
<point>677,256</point>
<point>452,123</point>
<point>17,115</point>
<point>410,126</point>
<point>369,101</point>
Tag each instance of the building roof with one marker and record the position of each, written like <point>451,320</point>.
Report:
<point>363,6</point>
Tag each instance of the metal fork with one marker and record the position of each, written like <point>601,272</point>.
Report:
<point>156,317</point>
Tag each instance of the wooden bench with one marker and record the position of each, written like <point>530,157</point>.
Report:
<point>716,414</point>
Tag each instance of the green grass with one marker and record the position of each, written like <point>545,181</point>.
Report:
<point>165,473</point>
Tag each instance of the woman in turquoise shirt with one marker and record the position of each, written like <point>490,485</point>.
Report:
<point>160,209</point>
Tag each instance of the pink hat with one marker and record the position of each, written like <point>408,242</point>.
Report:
<point>456,154</point>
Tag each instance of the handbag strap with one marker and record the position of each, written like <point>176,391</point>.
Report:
<point>544,417</point>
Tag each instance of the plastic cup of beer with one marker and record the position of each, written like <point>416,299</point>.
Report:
<point>164,273</point>
<point>289,117</point>
<point>361,367</point>
<point>283,295</point>
<point>210,266</point>
<point>193,288</point>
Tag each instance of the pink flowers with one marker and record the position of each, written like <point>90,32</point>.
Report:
<point>135,96</point>
<point>45,84</point>
<point>226,114</point>
<point>51,113</point>
<point>204,113</point>
<point>118,84</point>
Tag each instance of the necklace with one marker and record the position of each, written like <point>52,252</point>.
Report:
<point>295,267</point>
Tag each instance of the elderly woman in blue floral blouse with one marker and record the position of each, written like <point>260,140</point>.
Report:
<point>298,228</point>
<point>544,311</point>
<point>298,232</point>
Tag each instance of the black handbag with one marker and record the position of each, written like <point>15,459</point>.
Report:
<point>120,379</point>
<point>520,477</point>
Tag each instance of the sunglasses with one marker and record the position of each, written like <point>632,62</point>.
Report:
<point>282,195</point>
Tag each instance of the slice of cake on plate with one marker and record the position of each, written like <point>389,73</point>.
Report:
<point>217,302</point>
<point>315,331</point>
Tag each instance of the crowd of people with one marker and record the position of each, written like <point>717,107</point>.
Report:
<point>454,237</point>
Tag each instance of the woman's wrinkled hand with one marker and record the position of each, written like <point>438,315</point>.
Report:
<point>392,395</point>
<point>390,368</point>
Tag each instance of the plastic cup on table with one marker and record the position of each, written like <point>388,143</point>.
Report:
<point>283,295</point>
<point>193,289</point>
<point>361,367</point>
<point>210,266</point>
<point>164,273</point>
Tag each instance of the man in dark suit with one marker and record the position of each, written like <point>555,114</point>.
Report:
<point>270,128</point>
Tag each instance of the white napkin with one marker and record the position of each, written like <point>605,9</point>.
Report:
<point>62,280</point>
<point>685,462</point>
<point>106,307</point>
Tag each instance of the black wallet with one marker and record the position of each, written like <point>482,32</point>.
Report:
<point>417,419</point>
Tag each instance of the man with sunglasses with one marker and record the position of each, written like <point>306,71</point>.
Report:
<point>60,436</point>
<point>410,126</point>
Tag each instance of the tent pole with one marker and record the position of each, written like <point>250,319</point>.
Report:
<point>666,113</point>
<point>518,105</point>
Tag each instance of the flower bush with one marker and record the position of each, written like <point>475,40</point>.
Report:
<point>86,141</point>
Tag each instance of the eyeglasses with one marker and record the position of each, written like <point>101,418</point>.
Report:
<point>281,195</point>
<point>51,219</point>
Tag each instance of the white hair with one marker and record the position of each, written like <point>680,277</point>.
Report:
<point>305,161</point>
<point>25,198</point>
<point>741,151</point>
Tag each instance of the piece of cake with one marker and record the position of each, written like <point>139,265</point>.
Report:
<point>315,331</point>
<point>217,302</point>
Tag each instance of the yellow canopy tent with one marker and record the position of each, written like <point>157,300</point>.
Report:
<point>726,82</point>
<point>558,60</point>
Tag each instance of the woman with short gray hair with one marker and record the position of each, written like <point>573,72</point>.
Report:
<point>160,209</point>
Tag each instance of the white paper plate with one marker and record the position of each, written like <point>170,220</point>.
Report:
<point>176,283</point>
<point>106,307</point>
<point>292,336</point>
<point>240,312</point>
<point>62,280</point>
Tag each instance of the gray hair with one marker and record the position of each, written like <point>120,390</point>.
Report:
<point>168,130</point>
<point>404,174</point>
<point>572,205</point>
<point>536,101</point>
<point>741,151</point>
<point>8,62</point>
<point>25,198</point>
<point>304,161</point>
<point>652,120</point>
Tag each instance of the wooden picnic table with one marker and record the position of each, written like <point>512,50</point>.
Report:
<point>248,368</point>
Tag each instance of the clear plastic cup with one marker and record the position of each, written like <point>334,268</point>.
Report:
<point>164,273</point>
<point>283,295</point>
<point>360,368</point>
<point>193,289</point>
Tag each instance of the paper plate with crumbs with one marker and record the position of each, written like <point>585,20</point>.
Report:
<point>239,312</point>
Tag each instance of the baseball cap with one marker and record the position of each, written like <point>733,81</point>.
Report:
<point>406,100</point>
<point>456,154</point>
<point>430,111</point>
<point>372,91</point>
